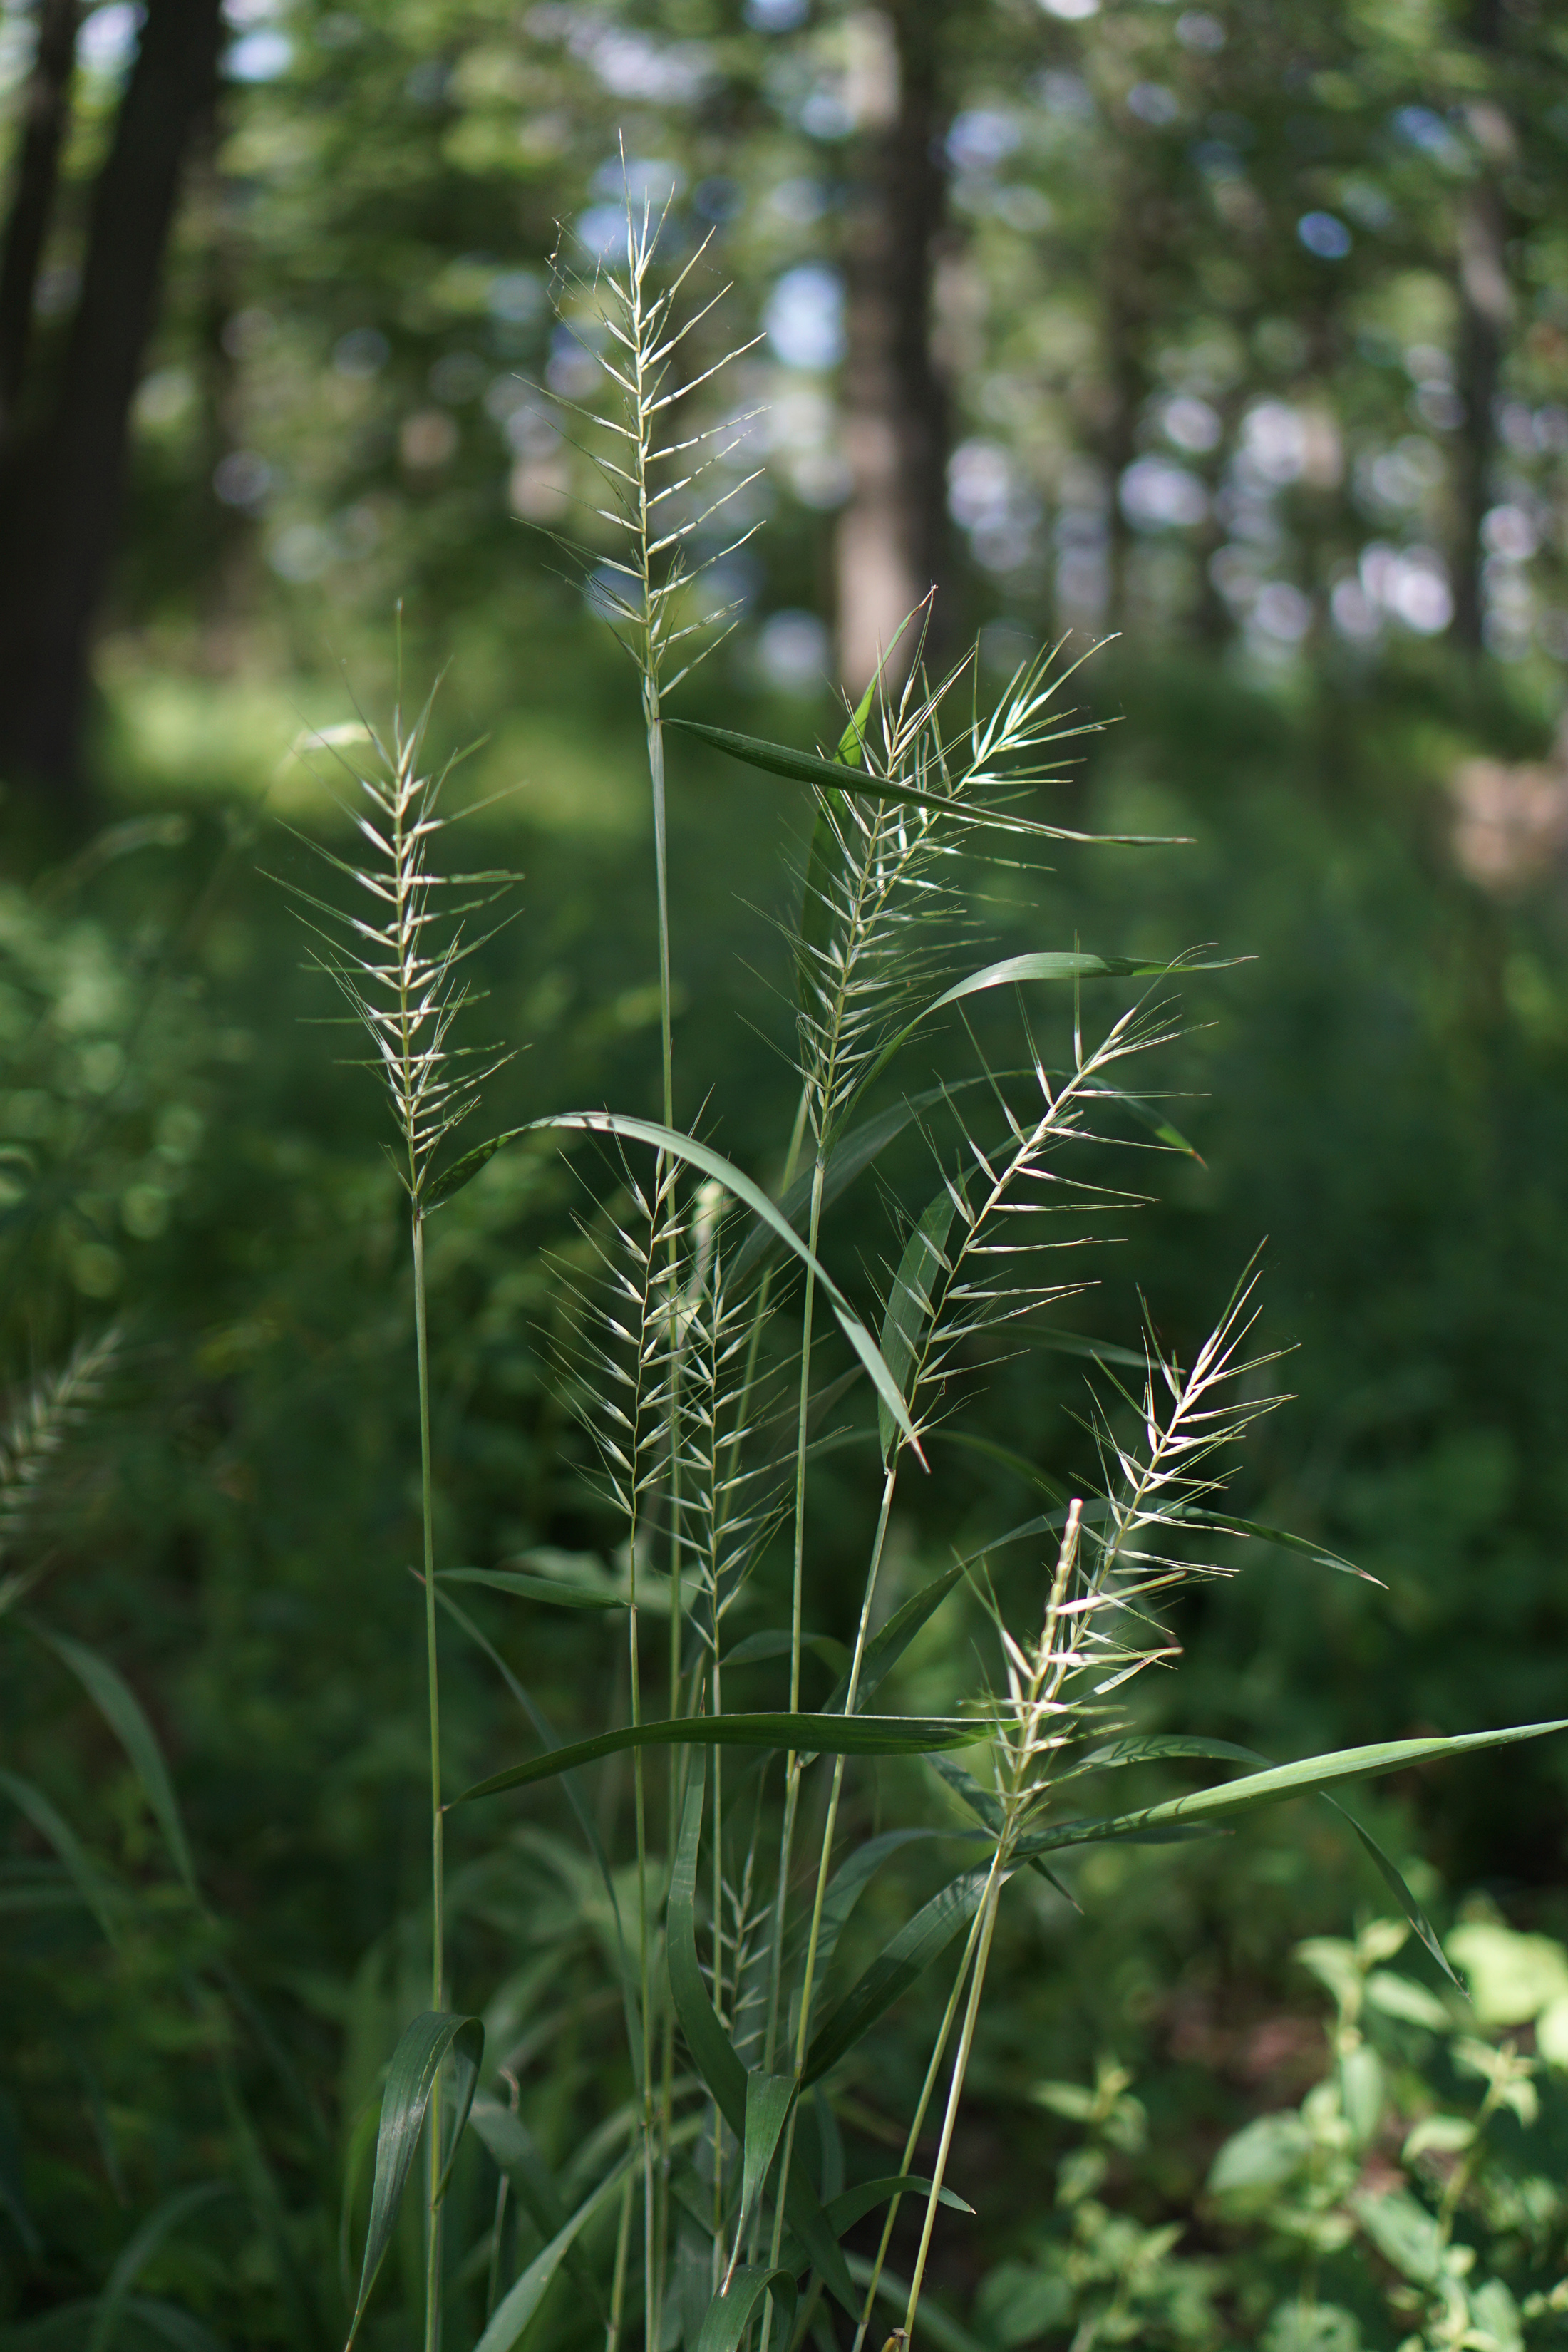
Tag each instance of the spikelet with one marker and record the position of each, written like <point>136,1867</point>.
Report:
<point>399,955</point>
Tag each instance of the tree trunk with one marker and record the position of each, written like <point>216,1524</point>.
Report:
<point>1486,307</point>
<point>62,493</point>
<point>893,541</point>
<point>1125,314</point>
<point>45,110</point>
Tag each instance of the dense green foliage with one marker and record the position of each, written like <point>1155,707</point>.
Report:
<point>1166,2142</point>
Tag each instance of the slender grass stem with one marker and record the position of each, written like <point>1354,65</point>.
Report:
<point>792,1762</point>
<point>988,1909</point>
<point>917,2124</point>
<point>618,2279</point>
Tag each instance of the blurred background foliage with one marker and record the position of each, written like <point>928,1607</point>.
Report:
<point>1238,334</point>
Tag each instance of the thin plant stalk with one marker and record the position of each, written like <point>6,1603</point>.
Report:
<point>438,1840</point>
<point>824,1861</point>
<point>917,2124</point>
<point>1037,1703</point>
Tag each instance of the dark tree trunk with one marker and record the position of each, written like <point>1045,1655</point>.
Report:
<point>1486,307</point>
<point>893,541</point>
<point>1125,300</point>
<point>59,503</point>
<point>45,110</point>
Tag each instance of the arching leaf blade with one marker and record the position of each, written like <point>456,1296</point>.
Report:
<point>523,2297</point>
<point>422,2051</point>
<point>512,2149</point>
<point>729,2314</point>
<point>1283,1781</point>
<point>895,1969</point>
<point>1042,964</point>
<point>51,1823</point>
<point>553,1590</point>
<point>811,768</point>
<point>740,1187</point>
<point>121,1710</point>
<point>832,1734</point>
<point>853,2204</point>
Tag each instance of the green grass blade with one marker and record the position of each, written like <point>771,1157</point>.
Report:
<point>138,2252</point>
<point>886,1648</point>
<point>830,1735</point>
<point>85,1875</point>
<point>1048,964</point>
<point>120,1709</point>
<point>769,2098</point>
<point>1189,1515</point>
<point>729,2316</point>
<point>891,1973</point>
<point>921,1267</point>
<point>1394,1879</point>
<point>710,2048</point>
<point>523,2297</point>
<point>779,1644</point>
<point>523,1587</point>
<point>816,896</point>
<point>513,2150</point>
<point>581,1813</point>
<point>850,1156</point>
<point>967,1789</point>
<point>850,1882</point>
<point>1282,1781</point>
<point>810,768</point>
<point>416,2063</point>
<point>712,1163</point>
<point>854,2204</point>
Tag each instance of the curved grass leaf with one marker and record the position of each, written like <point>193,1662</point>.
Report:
<point>85,1876</point>
<point>138,2252</point>
<point>422,2050</point>
<point>887,1647</point>
<point>831,1734</point>
<point>1282,1781</point>
<point>523,2297</point>
<point>780,1644</point>
<point>849,1157</point>
<point>712,1163</point>
<point>769,2098</point>
<point>850,1882</point>
<point>891,1973</point>
<point>1053,963</point>
<point>854,2204</point>
<point>729,2314</point>
<point>120,1709</point>
<point>1188,1515</point>
<point>1155,1748</point>
<point>581,1813</point>
<point>535,1588</point>
<point>810,768</point>
<point>923,1261</point>
<point>713,2054</point>
<point>513,2150</point>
